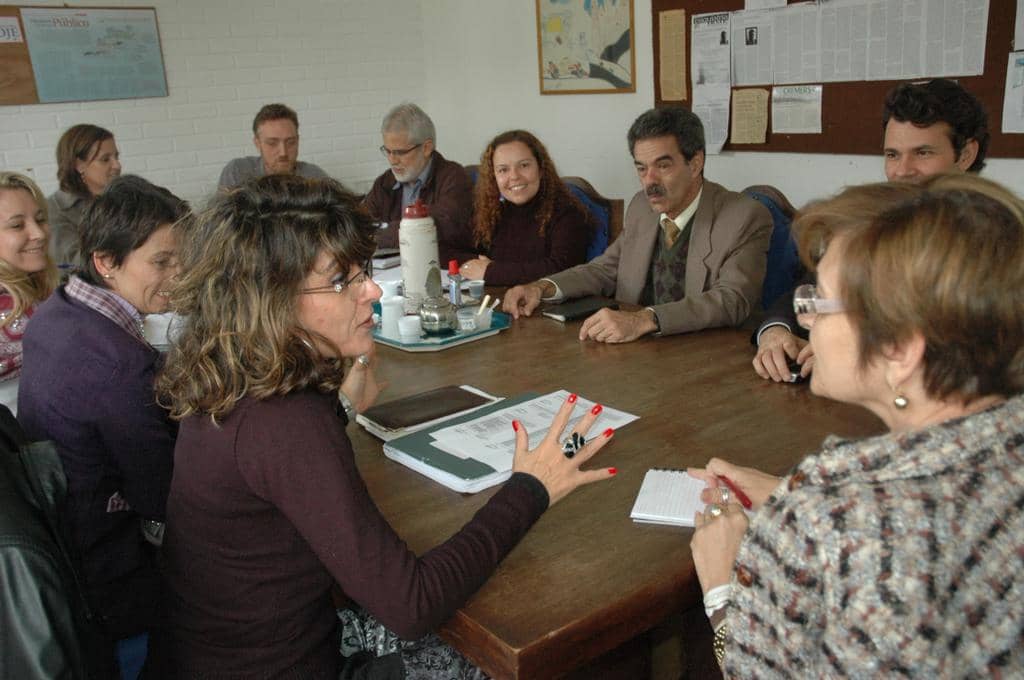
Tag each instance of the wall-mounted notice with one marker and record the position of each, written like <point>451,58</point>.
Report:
<point>1013,97</point>
<point>10,31</point>
<point>87,54</point>
<point>796,109</point>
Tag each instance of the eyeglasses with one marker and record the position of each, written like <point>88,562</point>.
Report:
<point>398,153</point>
<point>808,305</point>
<point>352,284</point>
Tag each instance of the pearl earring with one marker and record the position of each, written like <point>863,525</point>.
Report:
<point>899,401</point>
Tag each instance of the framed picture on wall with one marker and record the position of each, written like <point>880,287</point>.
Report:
<point>585,46</point>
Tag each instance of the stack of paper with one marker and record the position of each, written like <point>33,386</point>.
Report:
<point>475,452</point>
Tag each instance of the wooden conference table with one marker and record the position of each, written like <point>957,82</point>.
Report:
<point>586,578</point>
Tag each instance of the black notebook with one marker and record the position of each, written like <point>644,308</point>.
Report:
<point>578,309</point>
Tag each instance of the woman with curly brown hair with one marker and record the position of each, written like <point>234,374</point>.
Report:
<point>267,508</point>
<point>526,223</point>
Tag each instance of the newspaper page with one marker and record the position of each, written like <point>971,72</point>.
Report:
<point>763,4</point>
<point>710,63</point>
<point>672,54</point>
<point>843,31</point>
<point>796,109</point>
<point>1013,97</point>
<point>796,53</point>
<point>749,116</point>
<point>752,47</point>
<point>709,51</point>
<point>896,32</point>
<point>955,37</point>
<point>1018,27</point>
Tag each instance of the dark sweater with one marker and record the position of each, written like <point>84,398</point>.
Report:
<point>268,509</point>
<point>87,384</point>
<point>520,254</point>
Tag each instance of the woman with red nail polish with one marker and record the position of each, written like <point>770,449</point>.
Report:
<point>267,508</point>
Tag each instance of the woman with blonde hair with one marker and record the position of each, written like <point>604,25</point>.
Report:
<point>899,554</point>
<point>87,161</point>
<point>526,222</point>
<point>27,274</point>
<point>267,508</point>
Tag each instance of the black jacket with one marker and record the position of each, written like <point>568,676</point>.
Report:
<point>47,631</point>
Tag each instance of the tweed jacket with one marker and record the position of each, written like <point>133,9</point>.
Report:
<point>898,555</point>
<point>724,269</point>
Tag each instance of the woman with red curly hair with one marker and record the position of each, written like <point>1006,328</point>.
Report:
<point>526,223</point>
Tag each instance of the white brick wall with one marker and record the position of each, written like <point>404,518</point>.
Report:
<point>339,63</point>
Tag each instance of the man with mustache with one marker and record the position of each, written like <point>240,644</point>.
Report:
<point>276,136</point>
<point>929,128</point>
<point>691,251</point>
<point>419,171</point>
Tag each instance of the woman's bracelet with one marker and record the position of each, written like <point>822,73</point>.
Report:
<point>716,598</point>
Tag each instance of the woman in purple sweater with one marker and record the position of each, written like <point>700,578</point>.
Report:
<point>526,222</point>
<point>267,508</point>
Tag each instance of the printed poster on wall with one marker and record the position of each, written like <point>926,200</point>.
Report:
<point>90,54</point>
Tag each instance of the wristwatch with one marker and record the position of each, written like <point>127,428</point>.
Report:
<point>657,322</point>
<point>346,405</point>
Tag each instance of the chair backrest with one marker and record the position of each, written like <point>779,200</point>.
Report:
<point>607,214</point>
<point>47,620</point>
<point>784,266</point>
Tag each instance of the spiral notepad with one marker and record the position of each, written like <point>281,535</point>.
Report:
<point>668,497</point>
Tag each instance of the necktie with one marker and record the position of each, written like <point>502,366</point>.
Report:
<point>671,230</point>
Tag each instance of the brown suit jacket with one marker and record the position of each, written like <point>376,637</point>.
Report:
<point>724,269</point>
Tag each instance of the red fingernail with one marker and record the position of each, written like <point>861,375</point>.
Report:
<point>608,433</point>
<point>613,471</point>
<point>597,409</point>
<point>572,398</point>
<point>515,425</point>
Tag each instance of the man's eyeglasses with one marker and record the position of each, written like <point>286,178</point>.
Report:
<point>808,305</point>
<point>352,284</point>
<point>398,153</point>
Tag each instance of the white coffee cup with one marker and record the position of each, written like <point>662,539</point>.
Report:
<point>476,288</point>
<point>391,310</point>
<point>410,328</point>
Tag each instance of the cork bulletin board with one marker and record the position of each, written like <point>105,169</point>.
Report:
<point>852,111</point>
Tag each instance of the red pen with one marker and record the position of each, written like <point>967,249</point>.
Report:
<point>740,496</point>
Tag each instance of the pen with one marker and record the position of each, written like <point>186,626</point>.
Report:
<point>740,496</point>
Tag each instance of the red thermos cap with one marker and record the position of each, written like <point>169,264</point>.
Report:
<point>416,209</point>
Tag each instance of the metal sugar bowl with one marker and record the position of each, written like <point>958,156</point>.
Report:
<point>437,314</point>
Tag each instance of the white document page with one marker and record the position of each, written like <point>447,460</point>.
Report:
<point>955,37</point>
<point>490,439</point>
<point>751,47</point>
<point>796,52</point>
<point>709,49</point>
<point>1013,97</point>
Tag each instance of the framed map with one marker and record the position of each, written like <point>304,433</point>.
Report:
<point>585,46</point>
<point>86,54</point>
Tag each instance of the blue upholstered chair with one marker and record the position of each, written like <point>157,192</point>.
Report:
<point>784,268</point>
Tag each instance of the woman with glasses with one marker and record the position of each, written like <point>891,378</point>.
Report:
<point>267,508</point>
<point>526,222</point>
<point>87,385</point>
<point>87,161</point>
<point>897,555</point>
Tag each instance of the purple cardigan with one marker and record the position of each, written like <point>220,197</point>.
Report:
<point>88,385</point>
